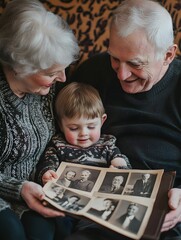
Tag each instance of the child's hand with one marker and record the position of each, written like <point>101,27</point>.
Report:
<point>119,163</point>
<point>49,175</point>
<point>111,166</point>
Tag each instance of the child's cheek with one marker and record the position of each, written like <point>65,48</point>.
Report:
<point>70,137</point>
<point>96,135</point>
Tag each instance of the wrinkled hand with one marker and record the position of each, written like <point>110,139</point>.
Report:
<point>49,175</point>
<point>33,195</point>
<point>174,215</point>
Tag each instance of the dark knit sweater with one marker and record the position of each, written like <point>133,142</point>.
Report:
<point>147,125</point>
<point>26,125</point>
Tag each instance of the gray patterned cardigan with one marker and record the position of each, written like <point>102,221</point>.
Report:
<point>26,125</point>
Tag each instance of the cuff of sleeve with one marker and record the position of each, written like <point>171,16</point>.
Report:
<point>11,189</point>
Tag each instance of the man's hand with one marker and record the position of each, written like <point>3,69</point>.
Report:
<point>33,195</point>
<point>174,215</point>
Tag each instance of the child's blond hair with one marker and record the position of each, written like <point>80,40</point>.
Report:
<point>77,100</point>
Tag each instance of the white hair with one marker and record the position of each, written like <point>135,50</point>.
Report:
<point>87,171</point>
<point>149,17</point>
<point>32,38</point>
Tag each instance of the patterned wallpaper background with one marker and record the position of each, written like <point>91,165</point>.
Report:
<point>89,20</point>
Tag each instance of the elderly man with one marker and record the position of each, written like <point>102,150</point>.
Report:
<point>143,187</point>
<point>139,81</point>
<point>115,187</point>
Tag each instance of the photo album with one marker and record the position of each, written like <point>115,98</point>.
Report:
<point>130,202</point>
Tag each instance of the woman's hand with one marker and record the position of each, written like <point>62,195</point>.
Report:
<point>174,215</point>
<point>33,195</point>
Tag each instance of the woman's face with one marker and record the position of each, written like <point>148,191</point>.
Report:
<point>85,175</point>
<point>41,82</point>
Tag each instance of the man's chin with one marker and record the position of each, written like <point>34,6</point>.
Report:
<point>130,89</point>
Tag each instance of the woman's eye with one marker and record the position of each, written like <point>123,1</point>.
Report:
<point>115,59</point>
<point>51,75</point>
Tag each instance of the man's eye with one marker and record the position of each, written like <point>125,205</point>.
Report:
<point>136,65</point>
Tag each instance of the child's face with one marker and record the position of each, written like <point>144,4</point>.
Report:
<point>82,132</point>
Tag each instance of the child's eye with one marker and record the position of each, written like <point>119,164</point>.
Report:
<point>73,129</point>
<point>91,127</point>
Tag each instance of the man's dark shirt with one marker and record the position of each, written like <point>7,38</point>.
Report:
<point>147,125</point>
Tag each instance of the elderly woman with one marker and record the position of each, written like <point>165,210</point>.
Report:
<point>35,48</point>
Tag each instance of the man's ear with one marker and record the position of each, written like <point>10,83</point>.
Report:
<point>104,117</point>
<point>170,54</point>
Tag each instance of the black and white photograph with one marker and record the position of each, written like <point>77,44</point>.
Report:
<point>103,208</point>
<point>73,202</point>
<point>107,196</point>
<point>114,183</point>
<point>67,178</point>
<point>55,192</point>
<point>141,184</point>
<point>129,216</point>
<point>79,178</point>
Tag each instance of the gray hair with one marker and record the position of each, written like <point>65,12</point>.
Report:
<point>32,38</point>
<point>148,16</point>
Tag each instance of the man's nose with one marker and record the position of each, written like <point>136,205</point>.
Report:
<point>123,71</point>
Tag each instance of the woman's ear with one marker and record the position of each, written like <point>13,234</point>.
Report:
<point>104,117</point>
<point>170,54</point>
